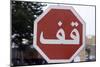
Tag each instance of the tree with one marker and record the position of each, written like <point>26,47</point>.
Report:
<point>23,16</point>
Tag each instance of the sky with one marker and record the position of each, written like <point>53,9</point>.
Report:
<point>87,13</point>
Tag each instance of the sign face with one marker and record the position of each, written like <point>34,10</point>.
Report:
<point>59,34</point>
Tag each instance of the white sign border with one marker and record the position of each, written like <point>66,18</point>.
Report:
<point>35,33</point>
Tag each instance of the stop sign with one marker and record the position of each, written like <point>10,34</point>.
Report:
<point>59,34</point>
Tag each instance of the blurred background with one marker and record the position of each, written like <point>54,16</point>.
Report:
<point>23,15</point>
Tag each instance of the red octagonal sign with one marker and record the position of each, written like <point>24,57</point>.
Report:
<point>59,34</point>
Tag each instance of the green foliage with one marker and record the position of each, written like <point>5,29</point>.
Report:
<point>23,16</point>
